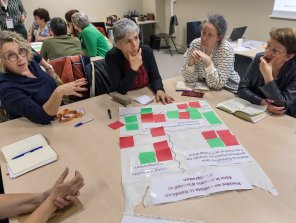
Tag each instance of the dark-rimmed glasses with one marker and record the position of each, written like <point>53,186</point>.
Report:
<point>12,56</point>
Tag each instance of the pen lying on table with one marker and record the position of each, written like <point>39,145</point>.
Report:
<point>83,122</point>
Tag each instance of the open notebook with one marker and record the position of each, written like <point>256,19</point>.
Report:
<point>28,154</point>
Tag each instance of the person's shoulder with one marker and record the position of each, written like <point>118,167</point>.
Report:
<point>226,45</point>
<point>113,53</point>
<point>146,49</point>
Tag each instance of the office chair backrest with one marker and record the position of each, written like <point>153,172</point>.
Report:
<point>241,64</point>
<point>173,23</point>
<point>193,31</point>
<point>100,24</point>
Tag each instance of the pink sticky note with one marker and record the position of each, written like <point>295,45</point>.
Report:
<point>116,125</point>
<point>182,106</point>
<point>159,118</point>
<point>209,134</point>
<point>194,104</point>
<point>184,115</point>
<point>147,117</point>
<point>159,131</point>
<point>126,142</point>
<point>223,133</point>
<point>162,145</point>
<point>164,155</point>
<point>230,140</point>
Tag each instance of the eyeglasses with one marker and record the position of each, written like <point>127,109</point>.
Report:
<point>273,51</point>
<point>209,35</point>
<point>12,56</point>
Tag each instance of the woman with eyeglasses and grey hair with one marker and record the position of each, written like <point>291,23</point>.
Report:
<point>131,65</point>
<point>210,58</point>
<point>271,77</point>
<point>25,89</point>
<point>92,40</point>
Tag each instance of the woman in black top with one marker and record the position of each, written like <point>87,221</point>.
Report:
<point>131,66</point>
<point>271,78</point>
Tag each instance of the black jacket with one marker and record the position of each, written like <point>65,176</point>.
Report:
<point>122,80</point>
<point>282,90</point>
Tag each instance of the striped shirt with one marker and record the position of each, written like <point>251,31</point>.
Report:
<point>220,74</point>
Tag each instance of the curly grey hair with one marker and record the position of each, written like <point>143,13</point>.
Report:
<point>219,22</point>
<point>80,19</point>
<point>123,27</point>
<point>8,37</point>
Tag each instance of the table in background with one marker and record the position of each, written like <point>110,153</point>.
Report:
<point>146,22</point>
<point>249,48</point>
<point>93,149</point>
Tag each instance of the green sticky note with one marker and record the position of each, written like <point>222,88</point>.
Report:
<point>131,126</point>
<point>147,157</point>
<point>212,118</point>
<point>130,119</point>
<point>192,109</point>
<point>172,114</point>
<point>216,142</point>
<point>146,110</point>
<point>195,115</point>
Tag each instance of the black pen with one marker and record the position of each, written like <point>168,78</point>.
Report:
<point>109,113</point>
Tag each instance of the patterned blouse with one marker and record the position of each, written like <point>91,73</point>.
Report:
<point>220,74</point>
<point>41,32</point>
<point>15,10</point>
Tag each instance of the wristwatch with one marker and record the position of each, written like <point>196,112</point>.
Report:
<point>49,67</point>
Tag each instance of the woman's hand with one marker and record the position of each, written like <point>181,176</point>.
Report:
<point>72,88</point>
<point>163,97</point>
<point>135,61</point>
<point>277,110</point>
<point>63,193</point>
<point>197,56</point>
<point>266,69</point>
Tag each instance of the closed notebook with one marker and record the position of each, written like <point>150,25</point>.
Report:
<point>188,86</point>
<point>244,109</point>
<point>60,214</point>
<point>28,154</point>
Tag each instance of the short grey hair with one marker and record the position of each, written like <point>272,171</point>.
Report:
<point>123,27</point>
<point>80,19</point>
<point>219,22</point>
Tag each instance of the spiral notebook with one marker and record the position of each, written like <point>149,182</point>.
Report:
<point>28,154</point>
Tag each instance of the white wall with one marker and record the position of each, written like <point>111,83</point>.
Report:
<point>96,10</point>
<point>253,13</point>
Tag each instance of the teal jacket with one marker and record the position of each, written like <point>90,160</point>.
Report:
<point>93,42</point>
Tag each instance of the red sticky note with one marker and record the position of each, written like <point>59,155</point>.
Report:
<point>147,117</point>
<point>209,135</point>
<point>159,131</point>
<point>126,142</point>
<point>182,106</point>
<point>162,145</point>
<point>164,155</point>
<point>223,133</point>
<point>230,140</point>
<point>184,115</point>
<point>194,104</point>
<point>159,118</point>
<point>116,125</point>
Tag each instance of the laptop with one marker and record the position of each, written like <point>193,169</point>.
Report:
<point>237,33</point>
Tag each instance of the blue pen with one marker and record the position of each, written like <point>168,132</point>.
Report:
<point>30,151</point>
<point>83,122</point>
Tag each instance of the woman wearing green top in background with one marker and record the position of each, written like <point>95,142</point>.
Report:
<point>92,40</point>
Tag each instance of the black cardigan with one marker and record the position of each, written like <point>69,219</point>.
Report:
<point>282,90</point>
<point>122,80</point>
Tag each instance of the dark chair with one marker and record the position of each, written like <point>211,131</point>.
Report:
<point>170,35</point>
<point>193,31</point>
<point>241,64</point>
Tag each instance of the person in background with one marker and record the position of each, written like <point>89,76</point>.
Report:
<point>271,78</point>
<point>37,97</point>
<point>131,66</point>
<point>71,31</point>
<point>12,16</point>
<point>40,30</point>
<point>42,205</point>
<point>61,44</point>
<point>210,58</point>
<point>92,40</point>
